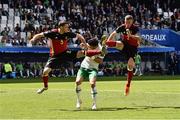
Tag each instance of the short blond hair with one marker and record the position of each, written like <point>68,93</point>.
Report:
<point>128,17</point>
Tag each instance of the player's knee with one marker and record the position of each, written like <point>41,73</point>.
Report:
<point>46,71</point>
<point>130,68</point>
<point>78,82</point>
<point>93,85</point>
<point>130,65</point>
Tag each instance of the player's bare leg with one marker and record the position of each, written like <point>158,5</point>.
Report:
<point>130,67</point>
<point>93,93</point>
<point>45,80</point>
<point>103,43</point>
<point>78,91</point>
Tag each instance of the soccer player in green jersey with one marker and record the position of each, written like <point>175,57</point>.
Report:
<point>89,70</point>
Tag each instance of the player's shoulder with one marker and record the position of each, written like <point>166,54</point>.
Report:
<point>51,31</point>
<point>122,26</point>
<point>134,26</point>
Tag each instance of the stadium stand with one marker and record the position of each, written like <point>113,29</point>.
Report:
<point>100,16</point>
<point>21,19</point>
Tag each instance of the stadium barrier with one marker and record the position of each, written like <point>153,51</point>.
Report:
<point>164,37</point>
<point>12,75</point>
<point>46,50</point>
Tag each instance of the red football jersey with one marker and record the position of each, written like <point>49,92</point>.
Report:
<point>133,30</point>
<point>58,43</point>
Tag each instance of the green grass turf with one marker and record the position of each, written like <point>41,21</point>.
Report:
<point>149,99</point>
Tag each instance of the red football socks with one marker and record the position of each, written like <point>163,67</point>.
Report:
<point>45,80</point>
<point>129,78</point>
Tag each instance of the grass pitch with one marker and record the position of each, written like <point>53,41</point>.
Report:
<point>149,99</point>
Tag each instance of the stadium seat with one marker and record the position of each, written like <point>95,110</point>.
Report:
<point>23,35</point>
<point>11,18</point>
<point>10,21</point>
<point>165,14</point>
<point>5,7</point>
<point>3,26</point>
<point>49,11</point>
<point>10,25</point>
<point>170,14</point>
<point>1,37</point>
<point>11,12</point>
<point>16,12</point>
<point>22,24</point>
<point>49,15</point>
<point>159,10</point>
<point>3,22</point>
<point>0,6</point>
<point>17,20</point>
<point>4,18</point>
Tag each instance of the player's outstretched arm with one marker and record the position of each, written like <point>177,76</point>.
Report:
<point>37,36</point>
<point>81,38</point>
<point>112,35</point>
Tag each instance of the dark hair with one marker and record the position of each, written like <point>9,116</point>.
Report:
<point>93,42</point>
<point>62,23</point>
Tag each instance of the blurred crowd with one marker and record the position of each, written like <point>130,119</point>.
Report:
<point>34,69</point>
<point>88,17</point>
<point>108,68</point>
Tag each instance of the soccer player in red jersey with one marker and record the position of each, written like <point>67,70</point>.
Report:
<point>128,45</point>
<point>59,52</point>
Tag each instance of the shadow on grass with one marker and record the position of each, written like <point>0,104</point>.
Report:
<point>157,107</point>
<point>138,108</point>
<point>1,91</point>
